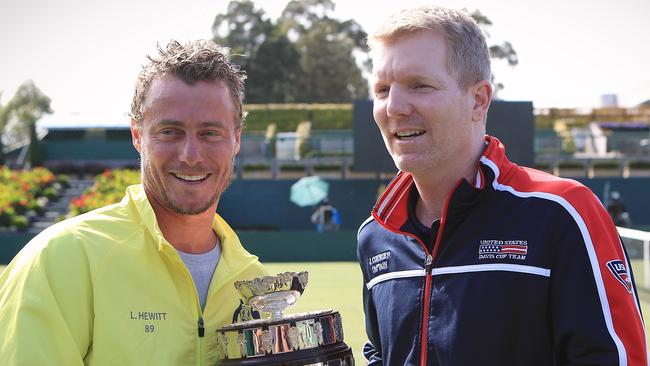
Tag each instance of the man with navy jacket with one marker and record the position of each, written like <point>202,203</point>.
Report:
<point>469,259</point>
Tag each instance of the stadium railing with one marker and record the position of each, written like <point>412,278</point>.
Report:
<point>637,243</point>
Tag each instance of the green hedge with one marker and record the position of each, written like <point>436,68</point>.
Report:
<point>339,116</point>
<point>287,116</point>
<point>640,165</point>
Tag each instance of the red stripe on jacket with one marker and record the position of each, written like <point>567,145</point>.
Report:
<point>599,229</point>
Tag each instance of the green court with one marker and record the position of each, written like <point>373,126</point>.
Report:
<point>337,285</point>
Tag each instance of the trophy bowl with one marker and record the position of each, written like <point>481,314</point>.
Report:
<point>312,338</point>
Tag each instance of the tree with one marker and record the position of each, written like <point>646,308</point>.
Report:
<point>25,108</point>
<point>331,72</point>
<point>305,56</point>
<point>503,51</point>
<point>267,55</point>
<point>327,51</point>
<point>275,72</point>
<point>243,29</point>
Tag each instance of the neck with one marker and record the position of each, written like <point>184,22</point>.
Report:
<point>187,233</point>
<point>434,186</point>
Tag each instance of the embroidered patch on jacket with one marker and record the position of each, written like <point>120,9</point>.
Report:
<point>503,249</point>
<point>620,272</point>
<point>379,262</point>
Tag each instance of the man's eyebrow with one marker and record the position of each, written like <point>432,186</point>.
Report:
<point>170,122</point>
<point>212,124</point>
<point>176,123</point>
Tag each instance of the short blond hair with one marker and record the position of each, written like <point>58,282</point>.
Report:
<point>468,54</point>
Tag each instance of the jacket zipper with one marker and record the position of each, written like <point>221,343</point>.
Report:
<point>200,323</point>
<point>428,266</point>
<point>201,341</point>
<point>425,309</point>
<point>201,328</point>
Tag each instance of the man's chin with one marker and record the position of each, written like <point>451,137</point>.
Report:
<point>413,166</point>
<point>405,165</point>
<point>185,209</point>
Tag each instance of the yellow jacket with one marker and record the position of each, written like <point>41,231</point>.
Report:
<point>106,288</point>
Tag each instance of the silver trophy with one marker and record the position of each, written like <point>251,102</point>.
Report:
<point>313,338</point>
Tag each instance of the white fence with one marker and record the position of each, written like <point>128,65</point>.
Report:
<point>637,244</point>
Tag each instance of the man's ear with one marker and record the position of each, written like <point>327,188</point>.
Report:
<point>481,93</point>
<point>136,135</point>
<point>238,132</point>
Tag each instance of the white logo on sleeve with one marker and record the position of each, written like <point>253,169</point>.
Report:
<point>379,262</point>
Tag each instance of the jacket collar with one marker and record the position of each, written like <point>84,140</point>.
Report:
<point>234,259</point>
<point>137,201</point>
<point>391,210</point>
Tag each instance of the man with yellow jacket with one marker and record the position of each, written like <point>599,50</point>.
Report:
<point>146,281</point>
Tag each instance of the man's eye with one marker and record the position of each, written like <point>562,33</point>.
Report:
<point>170,132</point>
<point>383,91</point>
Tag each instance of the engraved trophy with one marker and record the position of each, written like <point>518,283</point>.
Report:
<point>313,338</point>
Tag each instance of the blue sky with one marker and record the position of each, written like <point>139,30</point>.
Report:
<point>85,54</point>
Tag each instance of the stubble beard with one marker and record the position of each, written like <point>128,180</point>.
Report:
<point>156,188</point>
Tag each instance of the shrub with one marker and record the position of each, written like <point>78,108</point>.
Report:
<point>6,216</point>
<point>63,180</point>
<point>50,193</point>
<point>571,165</point>
<point>287,116</point>
<point>640,164</point>
<point>108,188</point>
<point>22,191</point>
<point>256,167</point>
<point>327,167</point>
<point>292,168</point>
<point>20,222</point>
<point>606,165</point>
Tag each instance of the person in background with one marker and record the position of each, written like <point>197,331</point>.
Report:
<point>326,217</point>
<point>617,210</point>
<point>146,281</point>
<point>469,259</point>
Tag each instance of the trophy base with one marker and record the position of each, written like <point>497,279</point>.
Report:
<point>306,339</point>
<point>333,355</point>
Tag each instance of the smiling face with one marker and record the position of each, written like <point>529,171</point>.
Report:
<point>187,142</point>
<point>429,124</point>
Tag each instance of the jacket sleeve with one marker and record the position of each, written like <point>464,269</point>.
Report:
<point>370,350</point>
<point>45,307</point>
<point>595,311</point>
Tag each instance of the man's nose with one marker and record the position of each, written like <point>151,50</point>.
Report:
<point>397,103</point>
<point>190,152</point>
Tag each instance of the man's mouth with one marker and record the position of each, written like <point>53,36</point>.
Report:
<point>403,135</point>
<point>192,178</point>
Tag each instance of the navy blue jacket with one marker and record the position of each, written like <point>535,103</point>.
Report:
<point>526,269</point>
